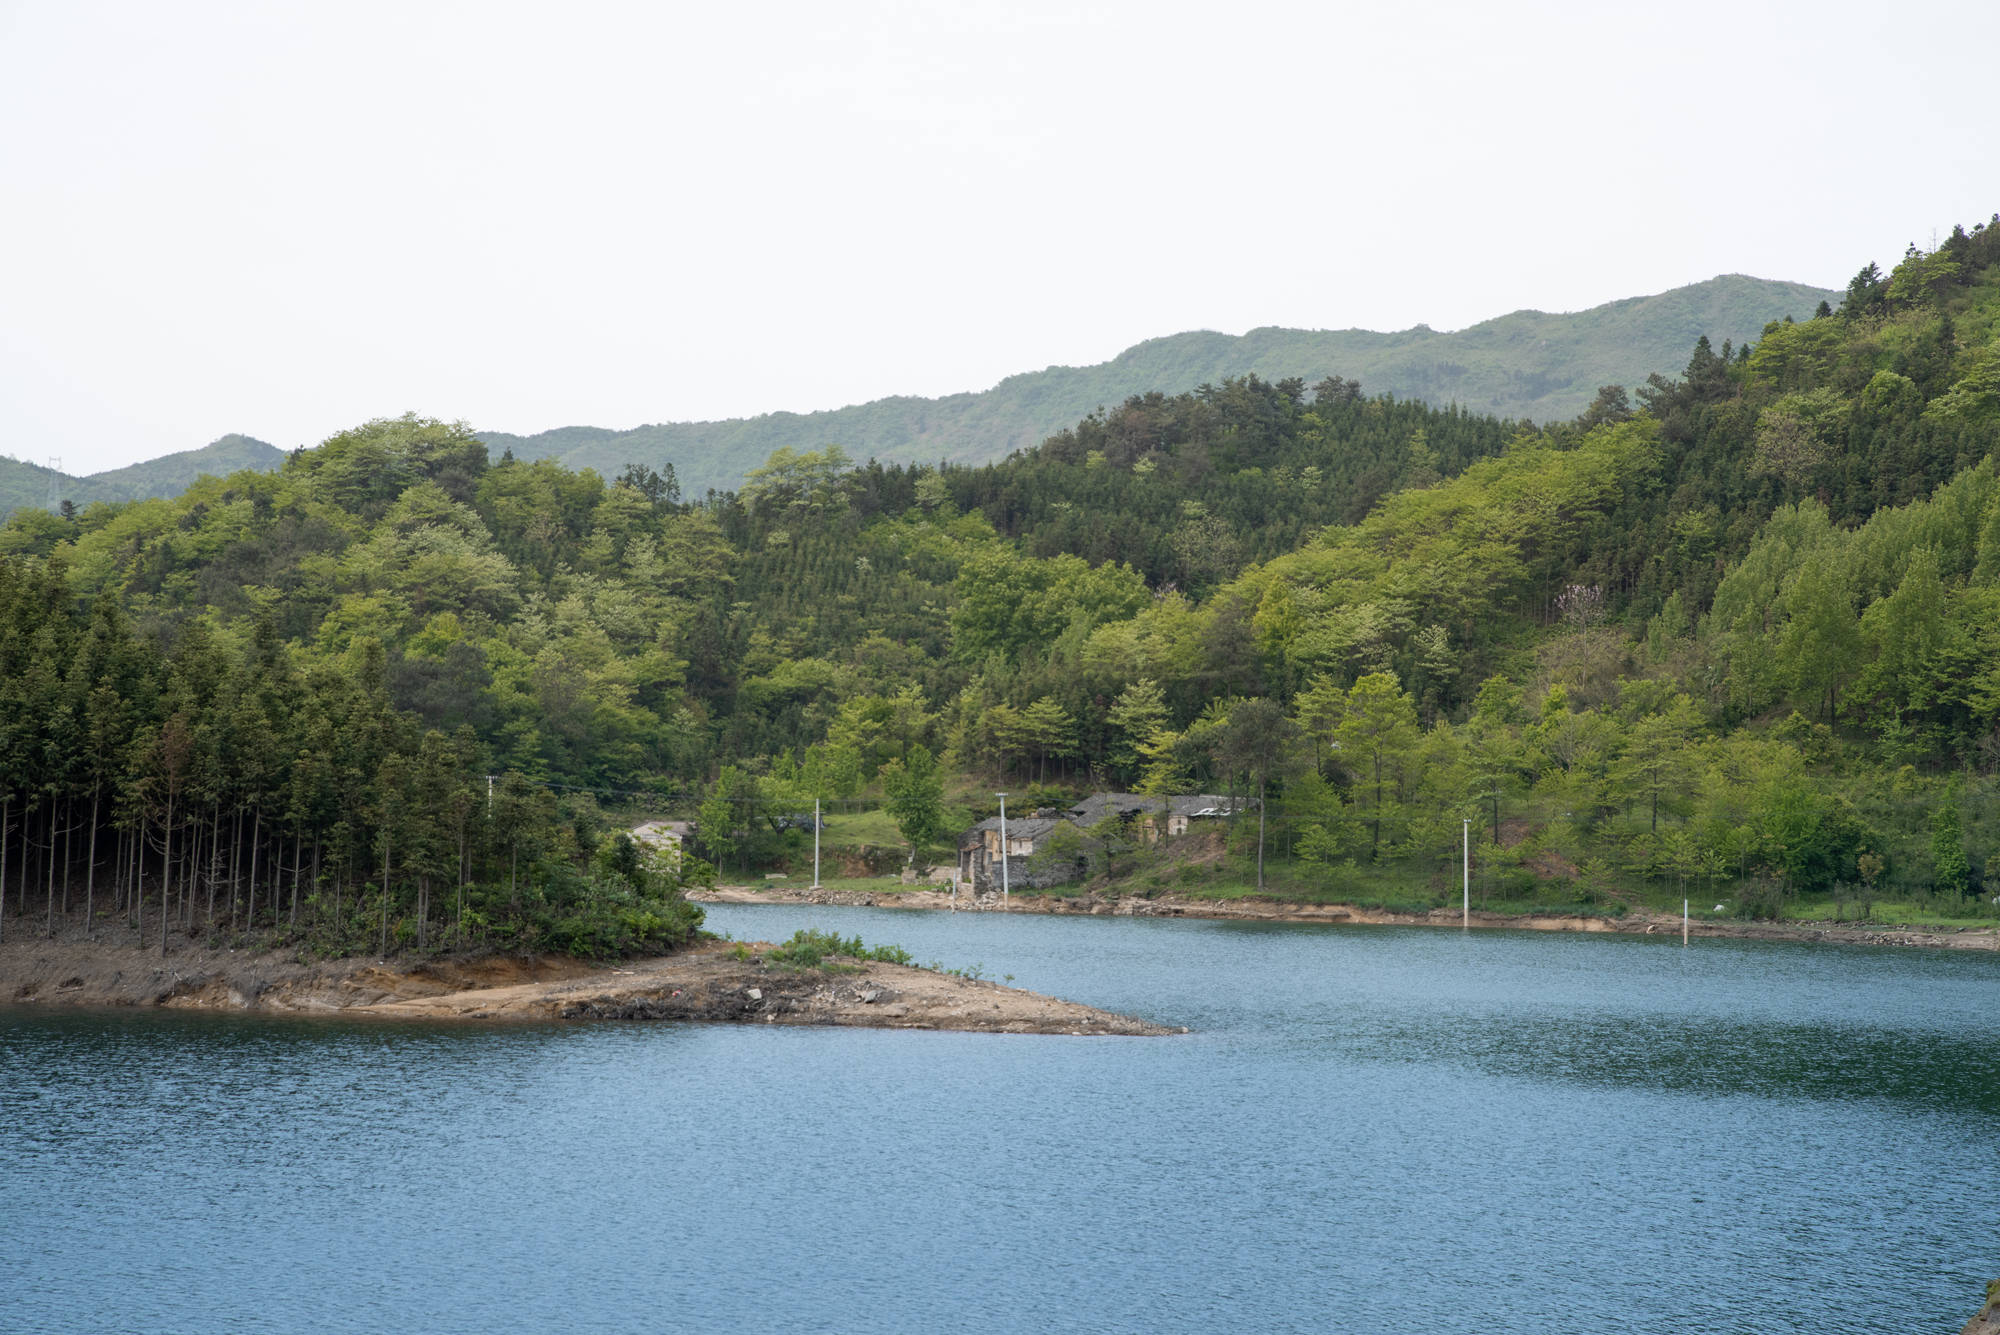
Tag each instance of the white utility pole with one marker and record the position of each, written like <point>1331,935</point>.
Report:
<point>815,884</point>
<point>1684,922</point>
<point>1003,849</point>
<point>1467,922</point>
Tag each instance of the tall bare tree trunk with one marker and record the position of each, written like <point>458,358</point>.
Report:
<point>90,875</point>
<point>167,876</point>
<point>69,852</point>
<point>1260,834</point>
<point>214,858</point>
<point>385,894</point>
<point>6,809</point>
<point>256,845</point>
<point>51,906</point>
<point>135,857</point>
<point>235,863</point>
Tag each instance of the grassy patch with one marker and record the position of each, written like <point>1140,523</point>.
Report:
<point>877,829</point>
<point>859,885</point>
<point>810,949</point>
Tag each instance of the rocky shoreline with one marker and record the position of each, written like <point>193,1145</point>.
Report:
<point>715,981</point>
<point>1266,910</point>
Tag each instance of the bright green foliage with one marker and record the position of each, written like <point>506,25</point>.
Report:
<point>914,792</point>
<point>1951,873</point>
<point>1813,838</point>
<point>1007,605</point>
<point>810,948</point>
<point>1375,734</point>
<point>1135,716</point>
<point>1654,768</point>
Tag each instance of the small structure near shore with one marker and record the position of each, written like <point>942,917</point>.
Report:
<point>1145,818</point>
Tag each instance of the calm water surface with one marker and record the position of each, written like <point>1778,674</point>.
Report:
<point>1371,1129</point>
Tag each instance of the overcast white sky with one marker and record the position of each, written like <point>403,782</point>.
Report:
<point>284,219</point>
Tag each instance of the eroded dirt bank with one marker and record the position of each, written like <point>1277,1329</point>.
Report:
<point>704,983</point>
<point>1264,910</point>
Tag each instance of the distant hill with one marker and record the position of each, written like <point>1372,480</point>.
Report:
<point>26,484</point>
<point>171,474</point>
<point>1525,365</point>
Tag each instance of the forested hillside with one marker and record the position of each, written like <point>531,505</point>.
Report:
<point>28,484</point>
<point>1525,365</point>
<point>1733,631</point>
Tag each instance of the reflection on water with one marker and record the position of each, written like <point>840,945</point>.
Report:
<point>1370,1130</point>
<point>1951,1073</point>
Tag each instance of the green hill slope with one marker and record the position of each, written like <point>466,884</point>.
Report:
<point>1528,364</point>
<point>172,474</point>
<point>26,484</point>
<point>23,483</point>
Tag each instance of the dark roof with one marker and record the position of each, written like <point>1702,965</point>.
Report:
<point>1202,804</point>
<point>1099,805</point>
<point>1019,827</point>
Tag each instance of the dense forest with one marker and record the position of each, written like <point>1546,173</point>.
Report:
<point>1736,630</point>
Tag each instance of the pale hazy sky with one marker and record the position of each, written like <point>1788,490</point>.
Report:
<point>284,219</point>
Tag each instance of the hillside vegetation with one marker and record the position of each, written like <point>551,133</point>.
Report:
<point>1731,633</point>
<point>1525,365</point>
<point>27,484</point>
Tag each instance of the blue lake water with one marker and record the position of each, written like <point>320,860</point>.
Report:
<point>1370,1129</point>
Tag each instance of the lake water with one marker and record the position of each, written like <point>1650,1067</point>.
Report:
<point>1370,1129</point>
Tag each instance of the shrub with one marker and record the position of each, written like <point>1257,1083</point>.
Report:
<point>810,949</point>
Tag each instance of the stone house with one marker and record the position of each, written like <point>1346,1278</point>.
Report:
<point>979,850</point>
<point>1150,819</point>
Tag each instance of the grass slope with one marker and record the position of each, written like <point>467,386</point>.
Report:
<point>1528,364</point>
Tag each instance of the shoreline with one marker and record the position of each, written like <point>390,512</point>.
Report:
<point>1637,923</point>
<point>706,982</point>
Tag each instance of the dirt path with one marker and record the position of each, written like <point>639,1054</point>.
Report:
<point>704,983</point>
<point>1266,910</point>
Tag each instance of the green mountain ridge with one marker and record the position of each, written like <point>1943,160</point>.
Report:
<point>1529,364</point>
<point>27,484</point>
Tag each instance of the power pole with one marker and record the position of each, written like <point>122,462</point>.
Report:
<point>1003,849</point>
<point>815,884</point>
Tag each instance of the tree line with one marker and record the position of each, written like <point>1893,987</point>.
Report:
<point>215,788</point>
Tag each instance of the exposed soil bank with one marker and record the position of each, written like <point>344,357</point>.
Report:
<point>1266,910</point>
<point>1988,1320</point>
<point>703,983</point>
